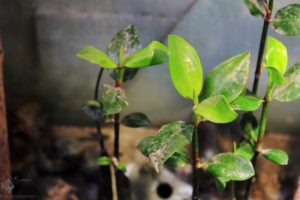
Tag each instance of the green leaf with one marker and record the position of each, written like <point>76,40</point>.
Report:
<point>216,109</point>
<point>113,100</point>
<point>124,43</point>
<point>229,166</point>
<point>153,54</point>
<point>185,68</point>
<point>92,109</point>
<point>247,101</point>
<point>170,138</point>
<point>104,161</point>
<point>287,20</point>
<point>246,150</point>
<point>276,156</point>
<point>254,8</point>
<point>179,159</point>
<point>144,145</point>
<point>276,55</point>
<point>274,77</point>
<point>220,184</point>
<point>135,120</point>
<point>228,78</point>
<point>121,167</point>
<point>249,126</point>
<point>95,56</point>
<point>290,90</point>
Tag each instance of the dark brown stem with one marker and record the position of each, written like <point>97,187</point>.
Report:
<point>267,20</point>
<point>117,135</point>
<point>196,164</point>
<point>99,124</point>
<point>118,84</point>
<point>262,45</point>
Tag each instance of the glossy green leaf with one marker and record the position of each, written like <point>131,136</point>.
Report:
<point>276,55</point>
<point>104,161</point>
<point>179,159</point>
<point>95,56</point>
<point>144,145</point>
<point>221,184</point>
<point>216,109</point>
<point>136,119</point>
<point>124,43</point>
<point>245,149</point>
<point>254,8</point>
<point>228,78</point>
<point>170,138</point>
<point>113,100</point>
<point>247,101</point>
<point>92,109</point>
<point>276,156</point>
<point>153,54</point>
<point>290,90</point>
<point>229,166</point>
<point>287,20</point>
<point>185,67</point>
<point>274,77</point>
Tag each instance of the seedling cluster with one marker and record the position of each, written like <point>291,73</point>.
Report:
<point>219,98</point>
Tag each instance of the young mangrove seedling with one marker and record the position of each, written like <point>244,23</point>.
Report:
<point>286,22</point>
<point>123,59</point>
<point>214,102</point>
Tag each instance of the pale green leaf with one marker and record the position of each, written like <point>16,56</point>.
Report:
<point>170,138</point>
<point>95,56</point>
<point>216,109</point>
<point>229,166</point>
<point>179,159</point>
<point>247,101</point>
<point>287,20</point>
<point>276,55</point>
<point>153,54</point>
<point>290,90</point>
<point>228,78</point>
<point>113,100</point>
<point>276,155</point>
<point>185,67</point>
<point>124,43</point>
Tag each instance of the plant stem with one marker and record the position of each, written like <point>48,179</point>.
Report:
<point>196,163</point>
<point>118,84</point>
<point>262,125</point>
<point>262,46</point>
<point>117,135</point>
<point>98,124</point>
<point>261,133</point>
<point>232,190</point>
